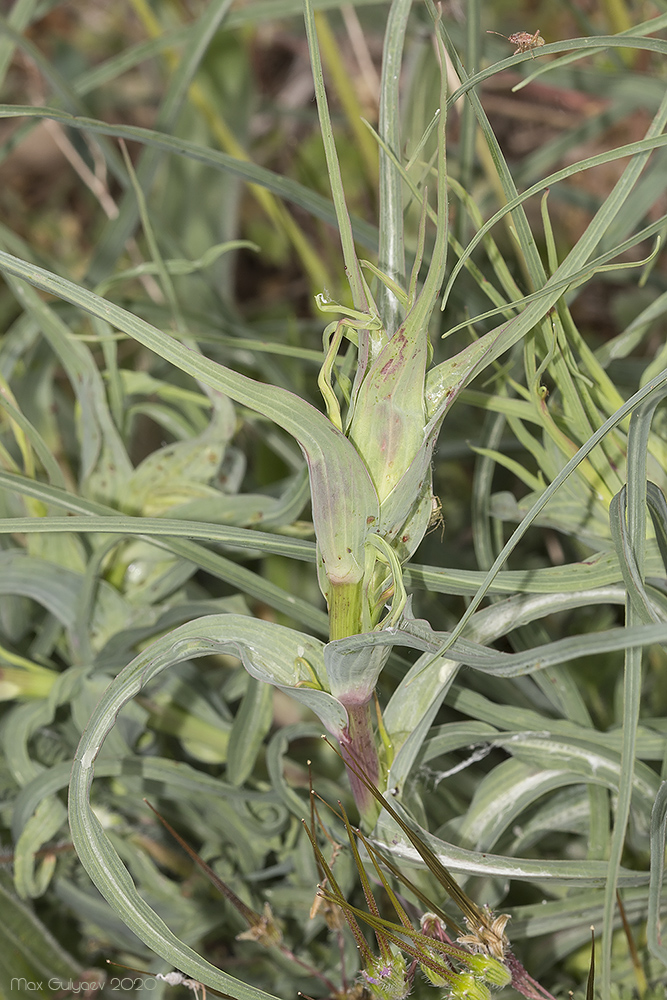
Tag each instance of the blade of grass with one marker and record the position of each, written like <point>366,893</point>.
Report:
<point>638,436</point>
<point>19,18</point>
<point>353,270</point>
<point>119,230</point>
<point>225,569</point>
<point>391,259</point>
<point>275,211</point>
<point>284,187</point>
<point>345,504</point>
<point>347,96</point>
<point>658,830</point>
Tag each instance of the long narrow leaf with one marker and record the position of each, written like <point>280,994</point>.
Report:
<point>345,505</point>
<point>282,186</point>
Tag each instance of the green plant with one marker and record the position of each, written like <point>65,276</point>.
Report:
<point>123,570</point>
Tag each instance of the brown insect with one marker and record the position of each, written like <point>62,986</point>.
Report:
<point>524,41</point>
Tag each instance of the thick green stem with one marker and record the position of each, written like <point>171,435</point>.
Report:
<point>358,746</point>
<point>345,609</point>
<point>360,754</point>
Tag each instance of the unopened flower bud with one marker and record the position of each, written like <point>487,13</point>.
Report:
<point>490,970</point>
<point>387,979</point>
<point>466,987</point>
<point>433,926</point>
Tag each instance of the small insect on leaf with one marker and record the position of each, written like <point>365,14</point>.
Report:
<point>524,41</point>
<point>436,519</point>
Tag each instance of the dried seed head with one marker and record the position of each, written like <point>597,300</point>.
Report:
<point>488,937</point>
<point>331,912</point>
<point>265,931</point>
